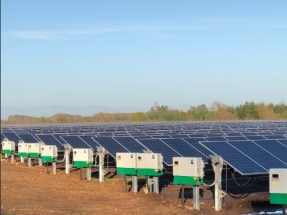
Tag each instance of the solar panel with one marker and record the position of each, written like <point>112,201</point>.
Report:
<point>215,138</point>
<point>237,160</point>
<point>284,142</point>
<point>274,147</point>
<point>12,137</point>
<point>28,138</point>
<point>185,149</point>
<point>255,137</point>
<point>130,144</point>
<point>76,142</point>
<point>49,139</point>
<point>236,138</point>
<point>110,145</point>
<point>195,142</point>
<point>157,146</point>
<point>258,154</point>
<point>273,137</point>
<point>90,141</point>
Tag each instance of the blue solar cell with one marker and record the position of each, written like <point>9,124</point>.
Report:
<point>236,138</point>
<point>273,137</point>
<point>90,141</point>
<point>130,144</point>
<point>28,138</point>
<point>258,154</point>
<point>232,134</point>
<point>197,135</point>
<point>58,137</point>
<point>255,137</point>
<point>110,145</point>
<point>12,137</point>
<point>214,135</point>
<point>284,142</point>
<point>275,148</point>
<point>157,146</point>
<point>238,161</point>
<point>49,139</point>
<point>215,138</point>
<point>76,142</point>
<point>160,136</point>
<point>195,142</point>
<point>185,149</point>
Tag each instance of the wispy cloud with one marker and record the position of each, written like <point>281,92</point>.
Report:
<point>54,35</point>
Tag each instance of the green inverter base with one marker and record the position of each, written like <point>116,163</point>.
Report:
<point>34,155</point>
<point>82,164</point>
<point>278,198</point>
<point>126,171</point>
<point>187,180</point>
<point>150,172</point>
<point>8,152</point>
<point>23,154</point>
<point>48,159</point>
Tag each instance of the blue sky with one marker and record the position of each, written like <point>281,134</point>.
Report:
<point>133,53</point>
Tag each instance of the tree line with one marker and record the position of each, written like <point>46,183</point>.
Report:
<point>217,111</point>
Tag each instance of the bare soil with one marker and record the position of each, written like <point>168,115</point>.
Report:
<point>32,191</point>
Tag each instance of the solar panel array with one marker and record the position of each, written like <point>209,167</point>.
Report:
<point>250,147</point>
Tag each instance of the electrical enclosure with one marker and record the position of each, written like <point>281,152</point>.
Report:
<point>23,149</point>
<point>149,164</point>
<point>34,150</point>
<point>8,147</point>
<point>278,186</point>
<point>126,163</point>
<point>49,153</point>
<point>188,170</point>
<point>82,158</point>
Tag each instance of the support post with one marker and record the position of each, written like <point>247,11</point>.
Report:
<point>101,152</point>
<point>284,207</point>
<point>68,149</point>
<point>40,162</point>
<point>54,168</point>
<point>217,163</point>
<point>6,156</point>
<point>134,184</point>
<point>156,185</point>
<point>29,162</point>
<point>22,159</point>
<point>89,173</point>
<point>182,195</point>
<point>196,204</point>
<point>12,158</point>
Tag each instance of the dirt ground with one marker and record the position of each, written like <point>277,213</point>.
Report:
<point>32,191</point>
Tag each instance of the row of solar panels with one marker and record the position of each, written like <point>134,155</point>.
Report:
<point>183,126</point>
<point>248,147</point>
<point>245,156</point>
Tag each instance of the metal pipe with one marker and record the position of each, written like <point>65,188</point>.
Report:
<point>89,174</point>
<point>134,184</point>
<point>22,159</point>
<point>156,185</point>
<point>196,204</point>
<point>54,168</point>
<point>67,153</point>
<point>6,156</point>
<point>218,189</point>
<point>29,162</point>
<point>101,167</point>
<point>182,195</point>
<point>40,162</point>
